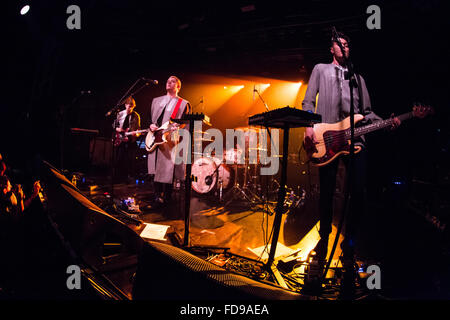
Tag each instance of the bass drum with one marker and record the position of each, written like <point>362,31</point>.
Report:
<point>211,173</point>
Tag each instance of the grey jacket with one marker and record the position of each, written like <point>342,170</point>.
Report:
<point>160,161</point>
<point>333,102</point>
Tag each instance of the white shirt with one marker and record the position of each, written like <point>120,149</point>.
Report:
<point>121,118</point>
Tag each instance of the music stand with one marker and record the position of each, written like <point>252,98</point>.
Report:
<point>189,119</point>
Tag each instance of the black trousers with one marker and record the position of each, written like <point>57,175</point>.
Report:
<point>125,160</point>
<point>163,190</point>
<point>328,176</point>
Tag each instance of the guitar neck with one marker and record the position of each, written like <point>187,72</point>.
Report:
<point>135,132</point>
<point>379,125</point>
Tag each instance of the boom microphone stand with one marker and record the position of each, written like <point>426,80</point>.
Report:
<point>259,95</point>
<point>348,202</point>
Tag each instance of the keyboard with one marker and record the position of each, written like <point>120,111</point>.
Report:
<point>285,117</point>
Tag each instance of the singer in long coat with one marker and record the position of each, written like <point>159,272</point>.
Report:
<point>161,160</point>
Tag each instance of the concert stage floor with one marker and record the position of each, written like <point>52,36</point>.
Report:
<point>239,225</point>
<point>412,255</point>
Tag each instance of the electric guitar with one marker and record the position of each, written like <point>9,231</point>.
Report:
<point>123,136</point>
<point>159,136</point>
<point>333,139</point>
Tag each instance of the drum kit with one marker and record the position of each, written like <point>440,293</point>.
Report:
<point>230,173</point>
<point>234,176</point>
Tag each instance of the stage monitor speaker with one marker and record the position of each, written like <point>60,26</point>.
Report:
<point>170,273</point>
<point>101,241</point>
<point>101,149</point>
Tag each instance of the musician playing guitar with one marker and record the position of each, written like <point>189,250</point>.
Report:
<point>125,145</point>
<point>161,158</point>
<point>333,103</point>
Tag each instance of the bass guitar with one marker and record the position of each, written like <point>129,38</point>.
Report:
<point>333,139</point>
<point>123,136</point>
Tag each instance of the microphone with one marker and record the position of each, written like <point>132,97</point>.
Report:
<point>150,80</point>
<point>113,110</point>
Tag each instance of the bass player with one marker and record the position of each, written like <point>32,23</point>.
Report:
<point>333,104</point>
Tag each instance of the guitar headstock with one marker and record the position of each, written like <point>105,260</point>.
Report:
<point>421,111</point>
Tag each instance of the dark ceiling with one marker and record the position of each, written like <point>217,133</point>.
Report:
<point>274,39</point>
<point>120,41</point>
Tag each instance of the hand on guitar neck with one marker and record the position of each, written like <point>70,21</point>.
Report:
<point>153,127</point>
<point>122,135</point>
<point>395,122</point>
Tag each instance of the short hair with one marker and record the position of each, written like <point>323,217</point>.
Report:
<point>178,81</point>
<point>342,36</point>
<point>130,100</point>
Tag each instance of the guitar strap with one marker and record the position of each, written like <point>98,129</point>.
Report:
<point>175,111</point>
<point>361,97</point>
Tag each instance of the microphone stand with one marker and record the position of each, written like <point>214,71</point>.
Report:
<point>201,102</point>
<point>348,201</point>
<point>265,104</point>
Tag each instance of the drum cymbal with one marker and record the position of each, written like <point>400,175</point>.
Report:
<point>249,128</point>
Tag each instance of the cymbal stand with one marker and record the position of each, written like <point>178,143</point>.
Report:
<point>247,187</point>
<point>237,192</point>
<point>240,192</point>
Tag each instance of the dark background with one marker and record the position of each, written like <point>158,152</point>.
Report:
<point>47,66</point>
